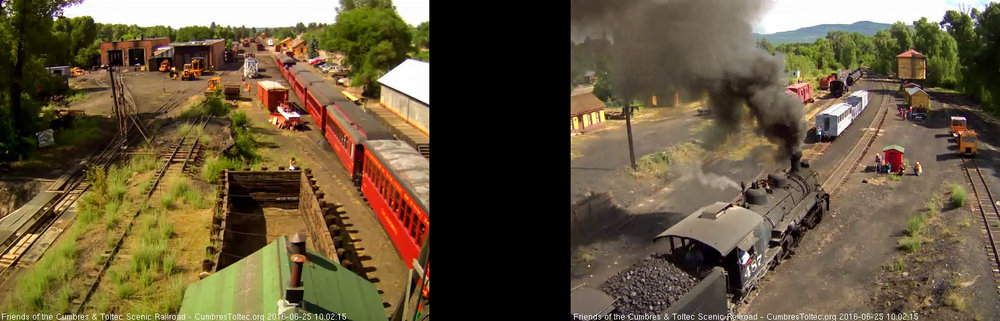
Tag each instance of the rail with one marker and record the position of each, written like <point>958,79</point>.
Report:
<point>838,177</point>
<point>987,206</point>
<point>149,193</point>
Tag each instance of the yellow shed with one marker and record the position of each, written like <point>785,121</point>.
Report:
<point>586,111</point>
<point>918,98</point>
<point>912,65</point>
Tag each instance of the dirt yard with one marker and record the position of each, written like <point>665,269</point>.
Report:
<point>857,254</point>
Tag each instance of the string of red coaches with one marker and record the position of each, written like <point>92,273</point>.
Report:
<point>392,175</point>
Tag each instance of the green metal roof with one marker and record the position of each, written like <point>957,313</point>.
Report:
<point>254,285</point>
<point>896,147</point>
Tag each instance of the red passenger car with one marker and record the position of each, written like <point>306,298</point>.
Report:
<point>318,96</point>
<point>396,182</point>
<point>346,127</point>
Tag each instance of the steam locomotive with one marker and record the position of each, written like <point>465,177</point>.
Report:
<point>730,247</point>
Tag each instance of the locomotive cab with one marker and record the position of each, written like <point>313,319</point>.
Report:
<point>721,235</point>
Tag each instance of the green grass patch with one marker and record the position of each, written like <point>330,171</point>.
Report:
<point>915,225</point>
<point>124,291</point>
<point>38,283</point>
<point>83,129</point>
<point>898,266</point>
<point>910,244</point>
<point>210,172</point>
<point>214,105</point>
<point>957,195</point>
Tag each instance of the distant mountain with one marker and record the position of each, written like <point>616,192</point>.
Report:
<point>810,34</point>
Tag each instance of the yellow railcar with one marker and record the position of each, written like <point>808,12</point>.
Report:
<point>967,142</point>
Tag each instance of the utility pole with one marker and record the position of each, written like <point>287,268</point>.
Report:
<point>628,126</point>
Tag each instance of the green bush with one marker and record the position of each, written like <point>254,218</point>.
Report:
<point>957,195</point>
<point>239,119</point>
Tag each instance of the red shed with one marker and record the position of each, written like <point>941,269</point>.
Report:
<point>802,90</point>
<point>271,94</point>
<point>894,155</point>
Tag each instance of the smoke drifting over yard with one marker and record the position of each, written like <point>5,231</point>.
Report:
<point>700,46</point>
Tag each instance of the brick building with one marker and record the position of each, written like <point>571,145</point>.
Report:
<point>130,52</point>
<point>213,50</point>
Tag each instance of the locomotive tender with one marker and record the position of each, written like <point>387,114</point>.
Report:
<point>730,247</point>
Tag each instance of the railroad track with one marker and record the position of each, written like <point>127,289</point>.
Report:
<point>69,188</point>
<point>838,177</point>
<point>986,204</point>
<point>170,160</point>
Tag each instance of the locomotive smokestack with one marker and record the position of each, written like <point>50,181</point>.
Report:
<point>796,159</point>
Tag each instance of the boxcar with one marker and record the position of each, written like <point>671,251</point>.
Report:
<point>835,119</point>
<point>396,182</point>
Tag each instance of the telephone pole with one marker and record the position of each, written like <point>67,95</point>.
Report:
<point>628,126</point>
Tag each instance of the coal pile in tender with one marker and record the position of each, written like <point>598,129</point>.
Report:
<point>649,286</point>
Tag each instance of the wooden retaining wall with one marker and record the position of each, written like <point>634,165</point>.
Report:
<point>282,189</point>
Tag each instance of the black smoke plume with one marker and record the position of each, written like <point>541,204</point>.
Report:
<point>701,46</point>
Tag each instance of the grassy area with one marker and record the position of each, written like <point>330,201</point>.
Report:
<point>214,105</point>
<point>658,164</point>
<point>83,129</point>
<point>50,284</point>
<point>76,95</point>
<point>917,224</point>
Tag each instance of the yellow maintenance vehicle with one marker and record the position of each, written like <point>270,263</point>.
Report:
<point>198,65</point>
<point>213,84</point>
<point>188,73</point>
<point>967,142</point>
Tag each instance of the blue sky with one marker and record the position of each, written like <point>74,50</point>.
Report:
<point>787,15</point>
<point>257,13</point>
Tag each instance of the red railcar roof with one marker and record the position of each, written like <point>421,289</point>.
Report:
<point>410,169</point>
<point>798,85</point>
<point>911,53</point>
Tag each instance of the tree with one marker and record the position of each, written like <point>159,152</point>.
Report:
<point>300,28</point>
<point>194,33</point>
<point>960,26</point>
<point>27,27</point>
<point>422,36</point>
<point>348,5</point>
<point>313,47</point>
<point>765,45</point>
<point>212,26</point>
<point>373,41</point>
